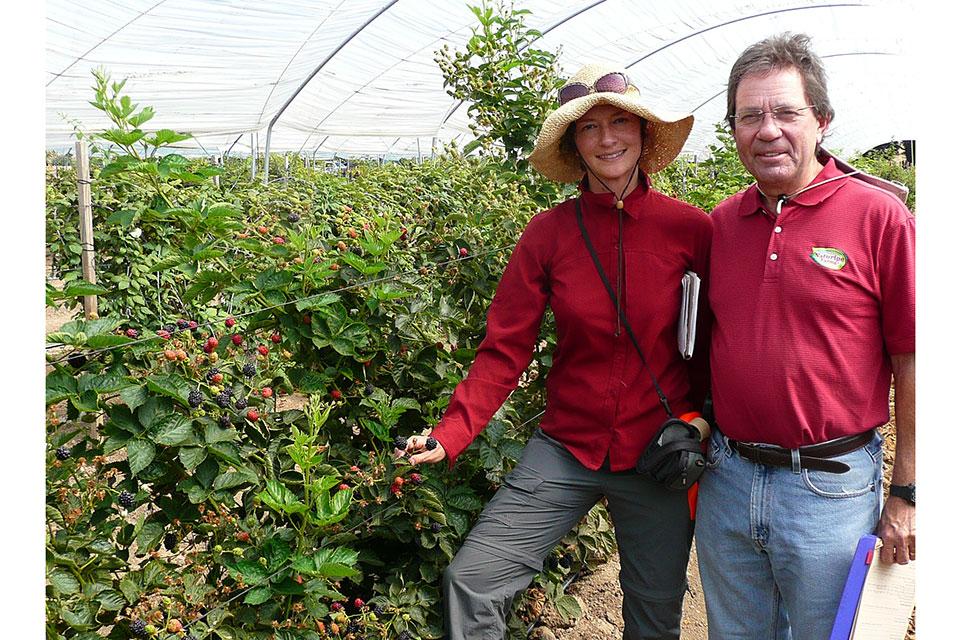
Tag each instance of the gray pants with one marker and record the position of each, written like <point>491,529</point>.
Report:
<point>541,500</point>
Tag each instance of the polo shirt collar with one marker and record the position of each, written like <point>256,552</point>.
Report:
<point>633,204</point>
<point>752,201</point>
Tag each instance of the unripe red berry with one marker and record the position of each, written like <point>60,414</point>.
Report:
<point>343,487</point>
<point>336,606</point>
<point>335,394</point>
<point>229,322</point>
<point>275,338</point>
<point>253,415</point>
<point>267,392</point>
<point>358,603</point>
<point>237,339</point>
<point>213,342</point>
<point>262,349</point>
<point>463,252</point>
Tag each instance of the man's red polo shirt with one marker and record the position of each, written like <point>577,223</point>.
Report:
<point>808,307</point>
<point>600,400</point>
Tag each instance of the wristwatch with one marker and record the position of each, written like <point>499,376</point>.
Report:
<point>906,491</point>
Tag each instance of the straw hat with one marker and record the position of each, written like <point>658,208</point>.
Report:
<point>663,136</point>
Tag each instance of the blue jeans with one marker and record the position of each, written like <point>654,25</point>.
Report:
<point>775,544</point>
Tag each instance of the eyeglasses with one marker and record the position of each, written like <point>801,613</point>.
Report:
<point>781,115</point>
<point>612,82</point>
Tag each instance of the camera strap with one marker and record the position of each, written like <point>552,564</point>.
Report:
<point>620,310</point>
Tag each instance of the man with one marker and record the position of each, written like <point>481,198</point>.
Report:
<point>812,288</point>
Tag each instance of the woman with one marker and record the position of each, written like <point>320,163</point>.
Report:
<point>602,405</point>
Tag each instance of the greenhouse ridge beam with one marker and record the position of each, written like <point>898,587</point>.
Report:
<point>742,19</point>
<point>266,152</point>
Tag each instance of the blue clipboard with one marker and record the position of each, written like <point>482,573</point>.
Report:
<point>850,600</point>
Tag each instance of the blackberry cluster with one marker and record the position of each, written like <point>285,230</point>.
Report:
<point>126,500</point>
<point>63,453</point>
<point>183,324</point>
<point>431,443</point>
<point>223,399</point>
<point>170,541</point>
<point>195,399</point>
<point>138,628</point>
<point>213,371</point>
<point>249,369</point>
<point>400,442</point>
<point>293,217</point>
<point>436,527</point>
<point>170,328</point>
<point>240,404</point>
<point>368,389</point>
<point>353,627</point>
<point>224,421</point>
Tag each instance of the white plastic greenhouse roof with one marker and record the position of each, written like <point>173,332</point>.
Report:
<point>368,84</point>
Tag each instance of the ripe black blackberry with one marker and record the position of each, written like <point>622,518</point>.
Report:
<point>213,371</point>
<point>225,421</point>
<point>249,370</point>
<point>431,443</point>
<point>170,328</point>
<point>293,217</point>
<point>63,453</point>
<point>403,636</point>
<point>400,442</point>
<point>126,499</point>
<point>138,628</point>
<point>241,403</point>
<point>76,360</point>
<point>170,541</point>
<point>183,324</point>
<point>195,399</point>
<point>377,610</point>
<point>436,527</point>
<point>223,399</point>
<point>368,389</point>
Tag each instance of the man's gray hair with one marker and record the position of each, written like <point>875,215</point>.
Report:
<point>774,54</point>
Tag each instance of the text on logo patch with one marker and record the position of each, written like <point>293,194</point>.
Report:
<point>829,258</point>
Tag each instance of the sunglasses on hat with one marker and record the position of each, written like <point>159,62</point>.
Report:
<point>615,82</point>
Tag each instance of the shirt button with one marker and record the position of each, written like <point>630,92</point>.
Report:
<point>777,229</point>
<point>773,256</point>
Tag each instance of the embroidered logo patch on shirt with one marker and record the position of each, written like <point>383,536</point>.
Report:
<point>829,258</point>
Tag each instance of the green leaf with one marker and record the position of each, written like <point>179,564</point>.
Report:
<point>213,433</point>
<point>124,139</point>
<point>131,591</point>
<point>63,581</point>
<point>174,429</point>
<point>167,136</point>
<point>273,279</point>
<point>111,600</point>
<point>253,573</point>
<point>226,451</point>
<point>149,536</point>
<point>258,595</point>
<point>145,114</point>
<point>60,386</point>
<point>84,288</point>
<point>133,397</point>
<point>123,217</point>
<point>86,401</point>
<point>192,456</point>
<point>232,479</point>
<point>464,499</point>
<point>281,499</point>
<point>171,385</point>
<point>105,341</point>
<point>140,453</point>
<point>568,608</point>
<point>317,302</point>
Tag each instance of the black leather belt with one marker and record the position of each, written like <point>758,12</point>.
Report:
<point>816,457</point>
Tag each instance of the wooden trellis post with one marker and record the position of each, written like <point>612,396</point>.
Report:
<point>86,227</point>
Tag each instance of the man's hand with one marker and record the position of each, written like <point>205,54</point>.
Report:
<point>897,526</point>
<point>897,529</point>
<point>417,448</point>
